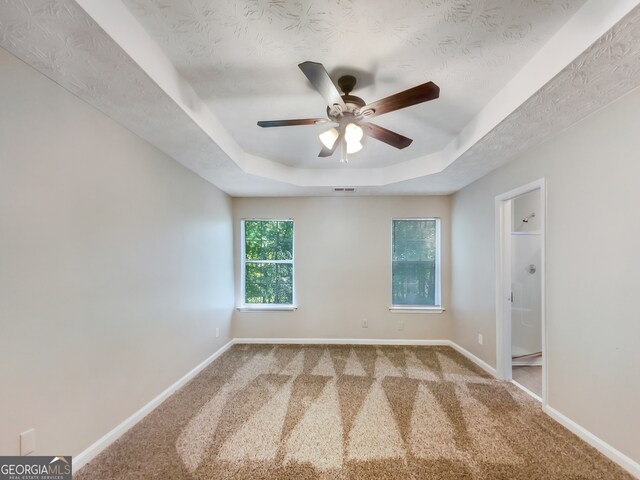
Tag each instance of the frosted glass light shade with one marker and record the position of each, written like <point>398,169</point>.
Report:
<point>329,137</point>
<point>352,133</point>
<point>353,147</point>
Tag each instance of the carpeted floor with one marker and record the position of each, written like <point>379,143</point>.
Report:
<point>348,412</point>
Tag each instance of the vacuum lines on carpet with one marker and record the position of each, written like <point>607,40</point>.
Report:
<point>348,412</point>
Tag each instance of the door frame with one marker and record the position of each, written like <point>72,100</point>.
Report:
<point>503,216</point>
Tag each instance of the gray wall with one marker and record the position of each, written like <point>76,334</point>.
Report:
<point>115,267</point>
<point>343,268</point>
<point>593,230</point>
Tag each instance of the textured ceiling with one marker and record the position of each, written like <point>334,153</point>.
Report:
<point>609,69</point>
<point>241,58</point>
<point>100,52</point>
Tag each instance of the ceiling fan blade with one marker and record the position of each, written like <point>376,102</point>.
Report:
<point>289,123</point>
<point>387,136</point>
<point>318,76</point>
<point>327,152</point>
<point>413,96</point>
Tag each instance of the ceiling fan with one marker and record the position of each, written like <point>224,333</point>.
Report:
<point>351,113</point>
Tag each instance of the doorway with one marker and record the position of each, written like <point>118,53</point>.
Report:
<point>520,302</point>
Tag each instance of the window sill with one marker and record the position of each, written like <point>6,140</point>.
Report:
<point>409,309</point>
<point>267,308</point>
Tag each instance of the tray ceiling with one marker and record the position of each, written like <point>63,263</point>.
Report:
<point>241,58</point>
<point>193,77</point>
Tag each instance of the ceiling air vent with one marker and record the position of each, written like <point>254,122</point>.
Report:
<point>344,189</point>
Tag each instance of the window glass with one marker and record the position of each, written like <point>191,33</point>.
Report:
<point>415,262</point>
<point>268,262</point>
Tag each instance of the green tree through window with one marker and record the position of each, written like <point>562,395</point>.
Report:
<point>268,262</point>
<point>415,260</point>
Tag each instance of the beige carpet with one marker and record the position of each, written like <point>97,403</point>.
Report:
<point>348,412</point>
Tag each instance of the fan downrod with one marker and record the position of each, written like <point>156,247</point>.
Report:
<point>346,83</point>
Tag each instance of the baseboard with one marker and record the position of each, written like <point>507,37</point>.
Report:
<point>517,363</point>
<point>481,363</point>
<point>603,447</point>
<point>338,341</point>
<point>91,452</point>
<point>527,391</point>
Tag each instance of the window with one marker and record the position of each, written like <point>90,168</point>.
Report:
<point>267,262</point>
<point>416,262</point>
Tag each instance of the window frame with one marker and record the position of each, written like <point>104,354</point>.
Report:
<point>437,307</point>
<point>243,261</point>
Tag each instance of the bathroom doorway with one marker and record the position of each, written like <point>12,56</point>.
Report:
<point>520,287</point>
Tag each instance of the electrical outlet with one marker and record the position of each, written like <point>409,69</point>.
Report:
<point>480,339</point>
<point>365,323</point>
<point>28,442</point>
<point>401,325</point>
<point>217,332</point>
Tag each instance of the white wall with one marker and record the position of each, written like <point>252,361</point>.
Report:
<point>343,268</point>
<point>593,231</point>
<point>115,267</point>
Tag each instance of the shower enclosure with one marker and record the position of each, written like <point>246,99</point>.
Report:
<point>526,314</point>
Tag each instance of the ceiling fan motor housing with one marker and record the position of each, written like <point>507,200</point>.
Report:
<point>353,103</point>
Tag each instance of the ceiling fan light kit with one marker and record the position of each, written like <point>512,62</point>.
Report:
<point>352,136</point>
<point>329,137</point>
<point>353,133</point>
<point>353,147</point>
<point>351,113</point>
